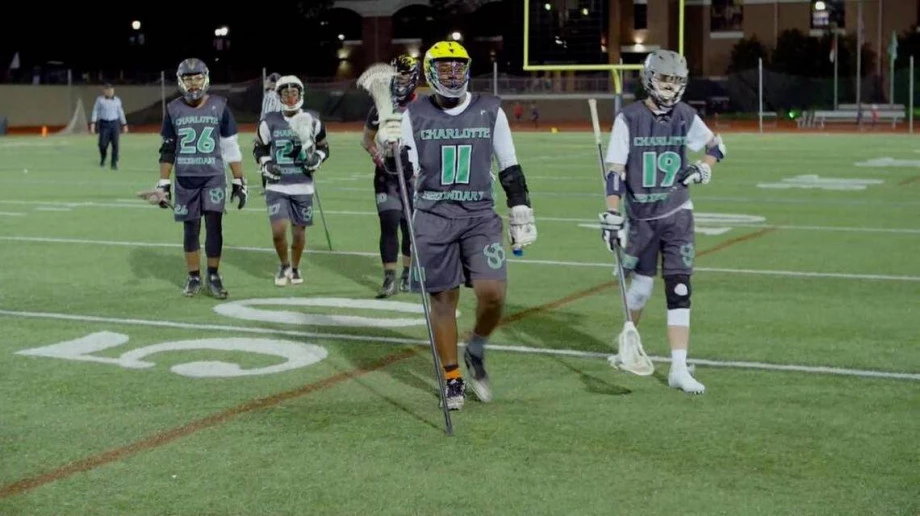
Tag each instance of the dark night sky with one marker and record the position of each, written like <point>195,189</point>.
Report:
<point>94,37</point>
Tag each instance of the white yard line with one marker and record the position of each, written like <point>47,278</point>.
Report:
<point>403,341</point>
<point>138,204</point>
<point>792,274</point>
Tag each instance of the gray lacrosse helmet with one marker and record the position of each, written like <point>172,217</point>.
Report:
<point>664,77</point>
<point>194,79</point>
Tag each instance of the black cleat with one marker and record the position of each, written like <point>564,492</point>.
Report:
<point>192,286</point>
<point>216,287</point>
<point>404,281</point>
<point>389,285</point>
<point>479,378</point>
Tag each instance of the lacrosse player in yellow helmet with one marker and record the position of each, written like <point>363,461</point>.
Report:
<point>451,138</point>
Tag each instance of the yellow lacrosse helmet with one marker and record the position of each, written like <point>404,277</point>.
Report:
<point>447,69</point>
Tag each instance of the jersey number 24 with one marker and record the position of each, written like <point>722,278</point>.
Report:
<point>665,166</point>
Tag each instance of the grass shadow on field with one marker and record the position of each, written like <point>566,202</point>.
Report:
<point>147,262</point>
<point>560,330</point>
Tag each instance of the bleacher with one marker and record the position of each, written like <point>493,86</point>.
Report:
<point>850,113</point>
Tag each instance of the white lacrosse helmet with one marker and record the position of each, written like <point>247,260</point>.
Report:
<point>290,92</point>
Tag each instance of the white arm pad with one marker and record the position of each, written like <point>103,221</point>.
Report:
<point>230,150</point>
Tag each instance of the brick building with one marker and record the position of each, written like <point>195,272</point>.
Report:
<point>712,27</point>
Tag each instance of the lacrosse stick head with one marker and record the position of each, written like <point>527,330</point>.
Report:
<point>302,124</point>
<point>631,356</point>
<point>376,80</point>
<point>154,197</point>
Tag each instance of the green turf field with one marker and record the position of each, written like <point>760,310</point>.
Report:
<point>120,396</point>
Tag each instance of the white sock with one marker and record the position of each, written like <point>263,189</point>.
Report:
<point>678,358</point>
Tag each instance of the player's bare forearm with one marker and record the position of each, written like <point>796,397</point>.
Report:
<point>236,168</point>
<point>709,160</point>
<point>165,170</point>
<point>367,141</point>
<point>613,202</point>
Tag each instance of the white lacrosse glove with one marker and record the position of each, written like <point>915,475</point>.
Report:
<point>391,128</point>
<point>699,173</point>
<point>521,227</point>
<point>612,228</point>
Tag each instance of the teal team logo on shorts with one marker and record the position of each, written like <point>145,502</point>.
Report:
<point>216,195</point>
<point>381,198</point>
<point>307,213</point>
<point>180,209</point>
<point>687,253</point>
<point>495,255</point>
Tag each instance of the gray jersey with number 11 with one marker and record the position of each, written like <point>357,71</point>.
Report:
<point>454,156</point>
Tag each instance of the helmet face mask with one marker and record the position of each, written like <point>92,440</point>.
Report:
<point>290,91</point>
<point>664,77</point>
<point>406,80</point>
<point>447,69</point>
<point>193,78</point>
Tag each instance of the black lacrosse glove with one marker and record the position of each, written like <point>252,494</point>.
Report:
<point>240,190</point>
<point>164,186</point>
<point>271,172</point>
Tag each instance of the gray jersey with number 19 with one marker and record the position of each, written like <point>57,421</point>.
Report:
<point>657,154</point>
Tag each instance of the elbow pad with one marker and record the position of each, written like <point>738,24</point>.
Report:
<point>717,151</point>
<point>614,183</point>
<point>261,152</point>
<point>512,180</point>
<point>168,151</point>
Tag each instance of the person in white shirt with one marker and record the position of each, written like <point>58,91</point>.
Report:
<point>648,171</point>
<point>450,139</point>
<point>108,115</point>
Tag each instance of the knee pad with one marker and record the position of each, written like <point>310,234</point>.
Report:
<point>677,291</point>
<point>191,230</point>
<point>214,240</point>
<point>639,291</point>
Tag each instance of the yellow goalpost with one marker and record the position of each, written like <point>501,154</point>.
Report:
<point>614,69</point>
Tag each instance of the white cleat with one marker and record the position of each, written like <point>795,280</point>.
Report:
<point>681,379</point>
<point>282,276</point>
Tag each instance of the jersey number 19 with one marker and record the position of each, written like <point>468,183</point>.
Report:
<point>667,162</point>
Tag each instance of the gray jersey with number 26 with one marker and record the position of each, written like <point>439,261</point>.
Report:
<point>657,154</point>
<point>198,137</point>
<point>454,157</point>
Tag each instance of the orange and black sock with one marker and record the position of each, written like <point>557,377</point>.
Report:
<point>452,372</point>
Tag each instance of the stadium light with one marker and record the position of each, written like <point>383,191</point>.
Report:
<point>221,31</point>
<point>548,7</point>
<point>820,6</point>
<point>456,36</point>
<point>136,25</point>
<point>584,11</point>
<point>341,37</point>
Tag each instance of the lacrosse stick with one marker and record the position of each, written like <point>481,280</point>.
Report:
<point>155,197</point>
<point>631,357</point>
<point>376,80</point>
<point>302,125</point>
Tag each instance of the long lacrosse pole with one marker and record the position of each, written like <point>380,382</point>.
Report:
<point>322,215</point>
<point>592,104</point>
<point>376,80</point>
<point>404,197</point>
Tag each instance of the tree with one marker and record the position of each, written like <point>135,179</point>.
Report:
<point>745,54</point>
